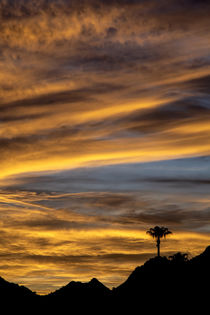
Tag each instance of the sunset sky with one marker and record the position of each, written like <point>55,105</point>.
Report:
<point>104,133</point>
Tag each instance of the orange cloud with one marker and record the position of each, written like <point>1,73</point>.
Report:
<point>84,86</point>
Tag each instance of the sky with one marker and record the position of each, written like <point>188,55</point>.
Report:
<point>104,133</point>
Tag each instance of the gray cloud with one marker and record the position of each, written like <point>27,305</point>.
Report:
<point>182,181</point>
<point>117,178</point>
<point>86,83</point>
<point>53,224</point>
<point>175,217</point>
<point>167,116</point>
<point>199,84</point>
<point>73,96</point>
<point>81,259</point>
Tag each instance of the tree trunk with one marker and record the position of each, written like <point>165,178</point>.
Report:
<point>158,247</point>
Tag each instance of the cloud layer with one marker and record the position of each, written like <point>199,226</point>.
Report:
<point>104,132</point>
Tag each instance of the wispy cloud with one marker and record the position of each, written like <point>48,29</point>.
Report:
<point>90,93</point>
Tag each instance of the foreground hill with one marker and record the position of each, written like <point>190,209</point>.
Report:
<point>159,283</point>
<point>15,297</point>
<point>15,291</point>
<point>182,284</point>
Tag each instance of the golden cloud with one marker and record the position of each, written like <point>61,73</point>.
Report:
<point>91,84</point>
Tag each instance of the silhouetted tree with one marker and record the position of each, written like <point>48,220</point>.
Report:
<point>158,233</point>
<point>179,258</point>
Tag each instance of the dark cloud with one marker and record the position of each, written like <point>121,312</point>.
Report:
<point>199,84</point>
<point>23,8</point>
<point>182,181</point>
<point>111,31</point>
<point>53,99</point>
<point>106,200</point>
<point>53,224</point>
<point>167,116</point>
<point>156,216</point>
<point>93,83</point>
<point>72,96</point>
<point>9,118</point>
<point>172,216</point>
<point>87,259</point>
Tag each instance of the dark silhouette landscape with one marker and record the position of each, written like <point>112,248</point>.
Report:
<point>175,283</point>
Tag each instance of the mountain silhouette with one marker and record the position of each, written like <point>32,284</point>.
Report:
<point>160,282</point>
<point>80,296</point>
<point>14,290</point>
<point>15,297</point>
<point>87,292</point>
<point>94,287</point>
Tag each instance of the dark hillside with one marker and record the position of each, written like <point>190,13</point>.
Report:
<point>160,284</point>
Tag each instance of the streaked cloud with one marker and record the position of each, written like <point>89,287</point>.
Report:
<point>104,132</point>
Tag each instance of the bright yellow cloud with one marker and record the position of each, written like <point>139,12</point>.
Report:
<point>85,85</point>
